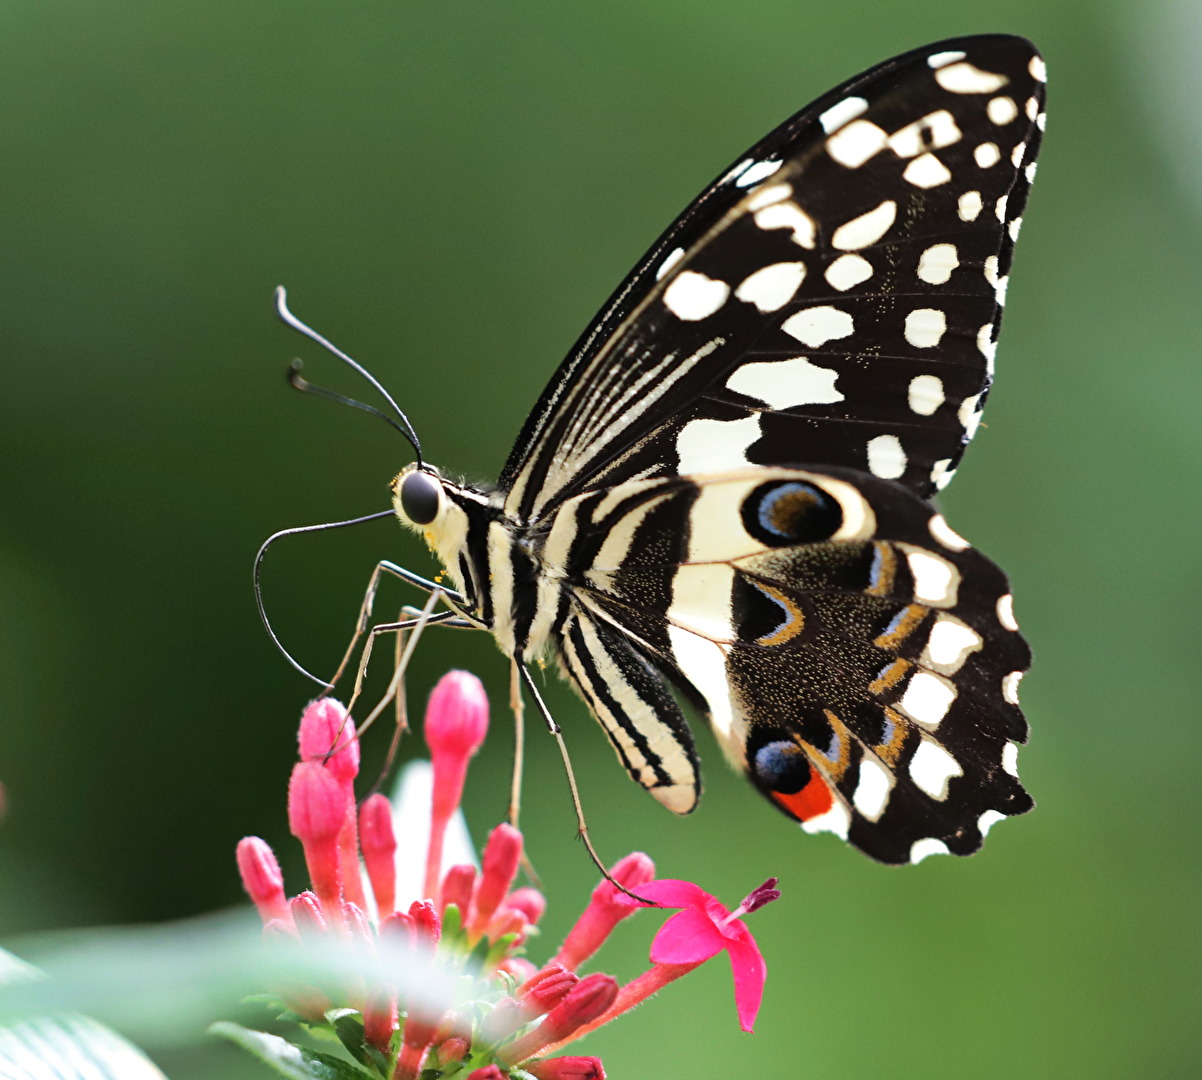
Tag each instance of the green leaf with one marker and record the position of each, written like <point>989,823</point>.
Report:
<point>295,1062</point>
<point>70,1048</point>
<point>348,1026</point>
<point>64,1045</point>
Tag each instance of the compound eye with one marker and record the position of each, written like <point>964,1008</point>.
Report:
<point>420,497</point>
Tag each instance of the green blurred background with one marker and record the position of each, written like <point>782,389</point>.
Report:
<point>450,191</point>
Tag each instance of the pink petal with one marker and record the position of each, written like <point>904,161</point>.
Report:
<point>748,967</point>
<point>671,892</point>
<point>687,938</point>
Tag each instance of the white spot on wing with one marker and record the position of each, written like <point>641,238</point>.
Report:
<point>753,174</point>
<point>838,115</point>
<point>772,287</point>
<point>942,473</point>
<point>714,445</point>
<point>920,849</point>
<point>988,820</point>
<point>866,229</point>
<point>1001,110</point>
<point>673,258</point>
<point>936,580</point>
<point>931,132</point>
<point>932,767</point>
<point>872,789</point>
<point>1038,69</point>
<point>788,215</point>
<point>946,535</point>
<point>886,458</point>
<point>855,143</point>
<point>1016,155</point>
<point>985,340</point>
<point>836,820</point>
<point>925,394</point>
<point>817,326</point>
<point>925,327</point>
<point>927,698</point>
<point>987,155</point>
<point>968,206</point>
<point>942,59</point>
<point>784,384</point>
<point>1005,612</point>
<point>936,264</point>
<point>926,171</point>
<point>966,78</point>
<point>704,665</point>
<point>969,415</point>
<point>950,643</point>
<point>1010,758</point>
<point>693,296</point>
<point>848,271</point>
<point>1010,686</point>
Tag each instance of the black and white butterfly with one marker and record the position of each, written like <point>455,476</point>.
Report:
<point>724,489</point>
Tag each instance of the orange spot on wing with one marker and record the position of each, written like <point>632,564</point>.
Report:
<point>811,801</point>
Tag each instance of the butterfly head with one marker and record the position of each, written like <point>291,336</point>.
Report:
<point>440,511</point>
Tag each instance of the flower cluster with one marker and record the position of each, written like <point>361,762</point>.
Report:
<point>507,1018</point>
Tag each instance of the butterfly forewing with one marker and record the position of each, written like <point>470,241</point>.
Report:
<point>834,298</point>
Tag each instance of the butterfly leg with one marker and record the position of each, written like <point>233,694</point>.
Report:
<point>581,825</point>
<point>369,599</point>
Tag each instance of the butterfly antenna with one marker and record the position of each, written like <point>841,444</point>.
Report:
<point>302,384</point>
<point>259,584</point>
<point>406,429</point>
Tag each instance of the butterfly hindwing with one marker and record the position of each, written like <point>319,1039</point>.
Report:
<point>834,297</point>
<point>856,657</point>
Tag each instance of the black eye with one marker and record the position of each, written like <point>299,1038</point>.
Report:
<point>420,494</point>
<point>783,513</point>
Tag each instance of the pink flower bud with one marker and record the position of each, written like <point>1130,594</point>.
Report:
<point>454,1049</point>
<point>605,910</point>
<point>502,856</point>
<point>397,929</point>
<point>307,915</point>
<point>262,879</point>
<point>587,1000</point>
<point>380,1021</point>
<point>378,843</point>
<point>316,811</point>
<point>457,716</point>
<point>489,1072</point>
<point>507,921</point>
<point>506,1017</point>
<point>325,726</point>
<point>426,924</point>
<point>567,1068</point>
<point>547,989</point>
<point>456,721</point>
<point>356,921</point>
<point>530,902</point>
<point>457,888</point>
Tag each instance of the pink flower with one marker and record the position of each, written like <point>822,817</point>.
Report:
<point>704,928</point>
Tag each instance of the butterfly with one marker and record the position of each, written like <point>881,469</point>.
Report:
<point>723,495</point>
